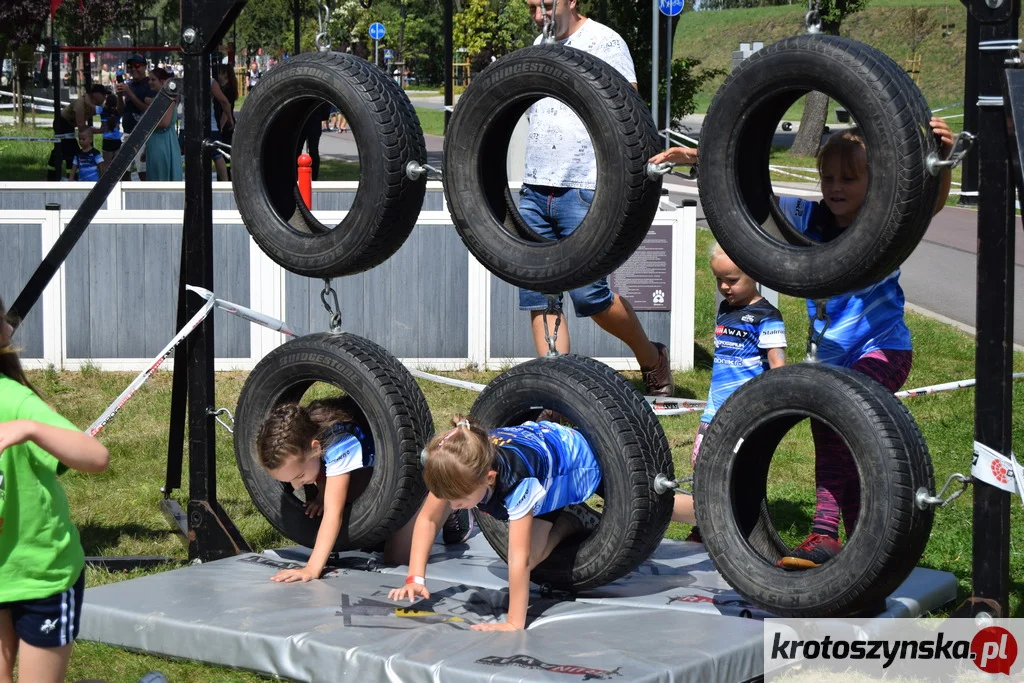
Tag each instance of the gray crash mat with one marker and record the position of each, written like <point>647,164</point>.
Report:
<point>663,622</point>
<point>678,576</point>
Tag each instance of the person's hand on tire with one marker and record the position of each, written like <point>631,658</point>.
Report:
<point>942,131</point>
<point>409,591</point>
<point>681,156</point>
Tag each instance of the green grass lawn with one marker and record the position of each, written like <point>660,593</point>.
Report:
<point>25,160</point>
<point>117,511</point>
<point>431,120</point>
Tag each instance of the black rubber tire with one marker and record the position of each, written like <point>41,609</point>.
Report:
<point>736,189</point>
<point>476,181</point>
<point>731,480</point>
<point>395,410</point>
<point>630,446</point>
<point>265,174</point>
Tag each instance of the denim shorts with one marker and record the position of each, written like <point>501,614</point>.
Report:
<point>554,212</point>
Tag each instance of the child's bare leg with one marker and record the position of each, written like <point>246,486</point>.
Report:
<point>44,664</point>
<point>8,647</point>
<point>682,509</point>
<point>553,535</point>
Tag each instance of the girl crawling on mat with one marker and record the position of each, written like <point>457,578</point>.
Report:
<point>322,444</point>
<point>534,475</point>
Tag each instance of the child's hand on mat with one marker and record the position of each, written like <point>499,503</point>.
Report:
<point>291,575</point>
<point>503,626</point>
<point>409,591</point>
<point>15,432</point>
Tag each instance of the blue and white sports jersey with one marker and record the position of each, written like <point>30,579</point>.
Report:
<point>542,467</point>
<point>743,337</point>
<point>861,321</point>
<point>346,448</point>
<point>88,164</point>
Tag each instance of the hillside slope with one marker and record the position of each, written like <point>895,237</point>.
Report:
<point>889,25</point>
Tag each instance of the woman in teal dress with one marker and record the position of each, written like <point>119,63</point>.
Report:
<point>163,156</point>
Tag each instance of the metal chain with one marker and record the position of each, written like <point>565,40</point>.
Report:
<point>549,21</point>
<point>814,337</point>
<point>552,309</point>
<point>812,20</point>
<point>323,38</point>
<point>335,312</point>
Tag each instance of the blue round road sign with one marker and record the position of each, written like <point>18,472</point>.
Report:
<point>377,28</point>
<point>670,7</point>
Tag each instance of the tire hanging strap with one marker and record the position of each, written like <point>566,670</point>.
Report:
<point>996,469</point>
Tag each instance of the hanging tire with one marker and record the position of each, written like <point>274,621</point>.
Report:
<point>476,182</point>
<point>394,408</point>
<point>264,167</point>
<point>736,190</point>
<point>731,485</point>
<point>630,447</point>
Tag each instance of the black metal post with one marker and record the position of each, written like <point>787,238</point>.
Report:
<point>969,175</point>
<point>997,21</point>
<point>296,20</point>
<point>211,534</point>
<point>449,60</point>
<point>58,158</point>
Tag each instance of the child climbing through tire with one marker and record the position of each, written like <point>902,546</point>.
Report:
<point>535,475</point>
<point>864,330</point>
<point>750,338</point>
<point>321,444</point>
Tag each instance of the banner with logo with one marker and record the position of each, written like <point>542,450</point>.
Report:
<point>907,650</point>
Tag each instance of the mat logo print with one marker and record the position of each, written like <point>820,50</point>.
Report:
<point>528,662</point>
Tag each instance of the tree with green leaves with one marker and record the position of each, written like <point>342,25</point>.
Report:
<point>812,123</point>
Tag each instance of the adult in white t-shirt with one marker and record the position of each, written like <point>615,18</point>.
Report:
<point>558,188</point>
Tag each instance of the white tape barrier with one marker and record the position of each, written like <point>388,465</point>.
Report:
<point>948,386</point>
<point>141,378</point>
<point>996,469</point>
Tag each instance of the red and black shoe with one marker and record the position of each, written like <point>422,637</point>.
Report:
<point>815,551</point>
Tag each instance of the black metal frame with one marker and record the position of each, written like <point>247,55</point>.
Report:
<point>995,89</point>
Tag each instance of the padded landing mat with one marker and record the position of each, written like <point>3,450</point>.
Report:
<point>665,622</point>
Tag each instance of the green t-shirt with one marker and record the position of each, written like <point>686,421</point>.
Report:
<point>40,551</point>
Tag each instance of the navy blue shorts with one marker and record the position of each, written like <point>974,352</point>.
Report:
<point>52,621</point>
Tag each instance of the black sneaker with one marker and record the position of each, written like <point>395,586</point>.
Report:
<point>815,551</point>
<point>457,527</point>
<point>585,519</point>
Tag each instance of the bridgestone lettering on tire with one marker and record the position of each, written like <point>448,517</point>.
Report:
<point>736,191</point>
<point>476,182</point>
<point>631,449</point>
<point>731,480</point>
<point>394,408</point>
<point>264,165</point>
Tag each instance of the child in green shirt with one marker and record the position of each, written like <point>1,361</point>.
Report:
<point>42,564</point>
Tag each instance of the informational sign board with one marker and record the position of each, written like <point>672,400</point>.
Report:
<point>646,278</point>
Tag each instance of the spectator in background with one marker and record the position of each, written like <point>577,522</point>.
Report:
<point>111,126</point>
<point>73,119</point>
<point>135,99</point>
<point>253,76</point>
<point>105,76</point>
<point>163,157</point>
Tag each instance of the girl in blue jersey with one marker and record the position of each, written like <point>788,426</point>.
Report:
<point>322,444</point>
<point>533,475</point>
<point>866,332</point>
